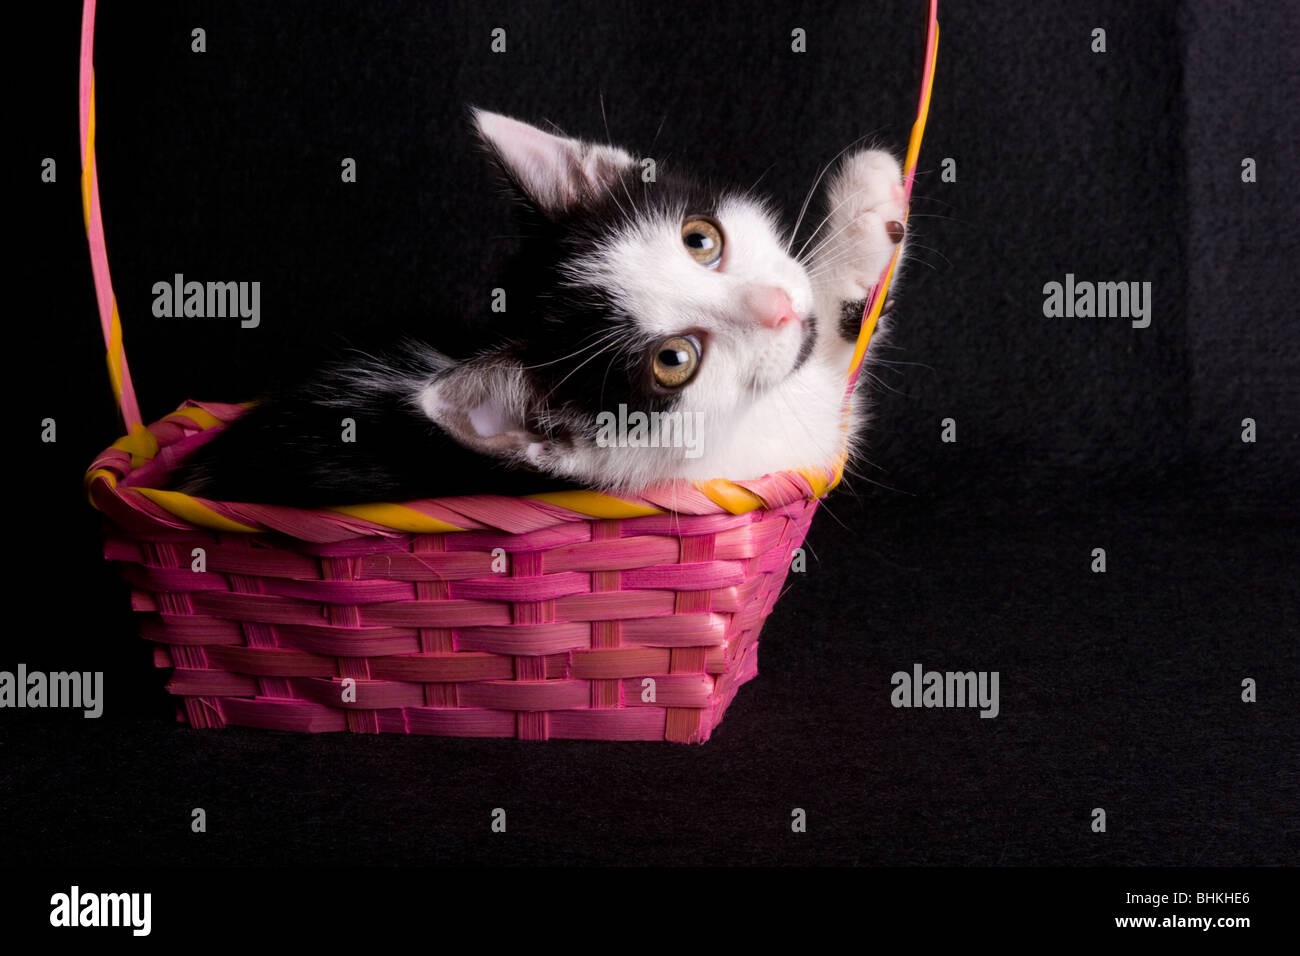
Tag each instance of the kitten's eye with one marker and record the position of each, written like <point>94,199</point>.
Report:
<point>676,361</point>
<point>703,240</point>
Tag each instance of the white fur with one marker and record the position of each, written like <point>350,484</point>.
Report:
<point>758,413</point>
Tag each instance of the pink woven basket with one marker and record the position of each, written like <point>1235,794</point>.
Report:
<point>567,615</point>
<point>534,621</point>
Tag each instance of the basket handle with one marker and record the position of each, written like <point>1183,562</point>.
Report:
<point>872,311</point>
<point>119,374</point>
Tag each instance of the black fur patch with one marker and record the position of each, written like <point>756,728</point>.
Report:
<point>809,340</point>
<point>289,450</point>
<point>851,319</point>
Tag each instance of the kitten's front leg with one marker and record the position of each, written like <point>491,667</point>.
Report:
<point>864,224</point>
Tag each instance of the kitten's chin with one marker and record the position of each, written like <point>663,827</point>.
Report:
<point>784,359</point>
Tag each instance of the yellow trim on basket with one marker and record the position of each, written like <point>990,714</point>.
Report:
<point>730,495</point>
<point>114,357</point>
<point>87,171</point>
<point>918,126</point>
<point>840,464</point>
<point>869,323</point>
<point>189,509</point>
<point>816,479</point>
<point>397,517</point>
<point>200,416</point>
<point>101,473</point>
<point>141,445</point>
<point>595,504</point>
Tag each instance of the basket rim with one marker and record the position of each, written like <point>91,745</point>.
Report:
<point>118,483</point>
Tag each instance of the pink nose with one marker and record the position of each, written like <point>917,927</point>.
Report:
<point>772,307</point>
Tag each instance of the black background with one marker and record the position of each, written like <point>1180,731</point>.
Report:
<point>1118,690</point>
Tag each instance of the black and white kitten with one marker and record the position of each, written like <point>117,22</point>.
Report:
<point>659,297</point>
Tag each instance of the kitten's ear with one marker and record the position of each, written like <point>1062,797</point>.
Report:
<point>552,172</point>
<point>487,405</point>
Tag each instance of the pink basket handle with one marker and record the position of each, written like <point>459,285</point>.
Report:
<point>872,311</point>
<point>119,374</point>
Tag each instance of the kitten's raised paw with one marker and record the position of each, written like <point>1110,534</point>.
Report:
<point>865,210</point>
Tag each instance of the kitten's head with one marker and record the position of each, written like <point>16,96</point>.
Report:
<point>635,288</point>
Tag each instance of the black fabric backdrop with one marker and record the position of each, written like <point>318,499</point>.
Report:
<point>1119,690</point>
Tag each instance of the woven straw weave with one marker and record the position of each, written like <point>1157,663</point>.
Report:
<point>557,641</point>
